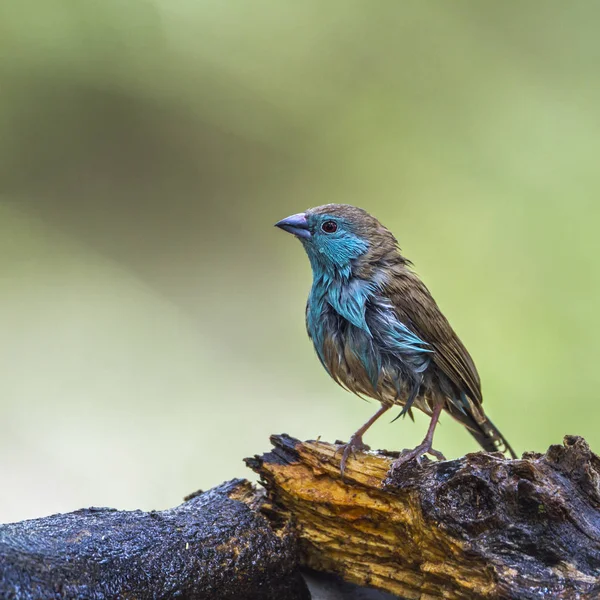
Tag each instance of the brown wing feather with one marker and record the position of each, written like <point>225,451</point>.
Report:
<point>418,311</point>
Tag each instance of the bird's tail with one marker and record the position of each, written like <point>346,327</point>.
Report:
<point>488,436</point>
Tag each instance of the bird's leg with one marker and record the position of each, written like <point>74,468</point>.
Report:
<point>425,446</point>
<point>356,441</point>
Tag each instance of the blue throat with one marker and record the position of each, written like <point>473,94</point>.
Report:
<point>334,261</point>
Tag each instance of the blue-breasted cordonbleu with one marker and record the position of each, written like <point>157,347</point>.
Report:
<point>379,333</point>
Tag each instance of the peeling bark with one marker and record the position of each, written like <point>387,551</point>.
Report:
<point>478,527</point>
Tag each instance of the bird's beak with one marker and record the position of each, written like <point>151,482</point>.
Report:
<point>296,224</point>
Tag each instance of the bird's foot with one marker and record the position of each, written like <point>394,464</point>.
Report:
<point>416,454</point>
<point>355,445</point>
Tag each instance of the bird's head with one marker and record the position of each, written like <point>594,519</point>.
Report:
<point>339,237</point>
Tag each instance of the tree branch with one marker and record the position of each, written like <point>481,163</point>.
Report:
<point>478,527</point>
<point>214,546</point>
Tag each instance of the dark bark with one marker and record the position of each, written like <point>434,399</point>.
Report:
<point>214,546</point>
<point>478,527</point>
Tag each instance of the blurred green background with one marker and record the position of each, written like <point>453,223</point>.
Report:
<point>152,320</point>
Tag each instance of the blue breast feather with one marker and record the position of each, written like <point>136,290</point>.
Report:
<point>370,327</point>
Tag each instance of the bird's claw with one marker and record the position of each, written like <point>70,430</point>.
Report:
<point>417,454</point>
<point>352,447</point>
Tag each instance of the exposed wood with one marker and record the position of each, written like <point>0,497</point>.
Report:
<point>215,546</point>
<point>478,527</point>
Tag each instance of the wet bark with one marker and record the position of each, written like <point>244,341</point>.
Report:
<point>479,527</point>
<point>214,546</point>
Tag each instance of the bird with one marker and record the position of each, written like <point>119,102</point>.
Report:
<point>379,333</point>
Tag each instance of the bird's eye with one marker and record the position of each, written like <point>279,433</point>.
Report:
<point>329,227</point>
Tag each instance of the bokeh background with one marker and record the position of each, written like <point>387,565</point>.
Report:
<point>152,319</point>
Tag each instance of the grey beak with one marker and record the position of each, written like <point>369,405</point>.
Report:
<point>296,225</point>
